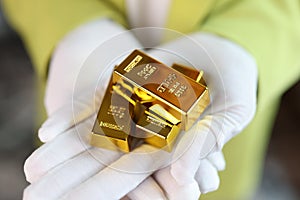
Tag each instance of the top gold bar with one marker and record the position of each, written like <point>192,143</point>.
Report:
<point>180,95</point>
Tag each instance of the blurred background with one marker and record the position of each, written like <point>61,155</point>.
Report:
<point>281,176</point>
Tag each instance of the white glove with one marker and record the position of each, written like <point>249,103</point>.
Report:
<point>231,76</point>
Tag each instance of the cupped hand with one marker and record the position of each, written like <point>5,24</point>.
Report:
<point>68,167</point>
<point>231,76</point>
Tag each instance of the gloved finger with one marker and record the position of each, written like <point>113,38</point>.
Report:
<point>147,190</point>
<point>68,175</point>
<point>61,120</point>
<point>122,176</point>
<point>188,150</point>
<point>207,136</point>
<point>207,177</point>
<point>217,160</point>
<point>173,190</point>
<point>64,147</point>
<point>81,108</point>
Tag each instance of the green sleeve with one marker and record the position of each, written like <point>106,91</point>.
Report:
<point>270,31</point>
<point>43,23</point>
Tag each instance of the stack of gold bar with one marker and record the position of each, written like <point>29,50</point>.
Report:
<point>148,102</point>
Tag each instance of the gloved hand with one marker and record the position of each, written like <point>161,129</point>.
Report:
<point>66,161</point>
<point>231,76</point>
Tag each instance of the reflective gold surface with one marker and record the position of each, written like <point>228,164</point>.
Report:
<point>157,131</point>
<point>113,124</point>
<point>147,101</point>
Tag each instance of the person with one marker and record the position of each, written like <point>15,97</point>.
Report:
<point>253,46</point>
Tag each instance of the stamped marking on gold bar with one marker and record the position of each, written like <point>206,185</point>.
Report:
<point>155,122</point>
<point>111,126</point>
<point>117,111</point>
<point>133,63</point>
<point>147,71</point>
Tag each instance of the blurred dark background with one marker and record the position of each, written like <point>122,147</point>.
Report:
<point>281,176</point>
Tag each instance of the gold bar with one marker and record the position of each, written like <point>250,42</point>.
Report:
<point>179,95</point>
<point>157,130</point>
<point>113,124</point>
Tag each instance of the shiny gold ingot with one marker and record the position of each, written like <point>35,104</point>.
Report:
<point>179,95</point>
<point>114,124</point>
<point>157,129</point>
